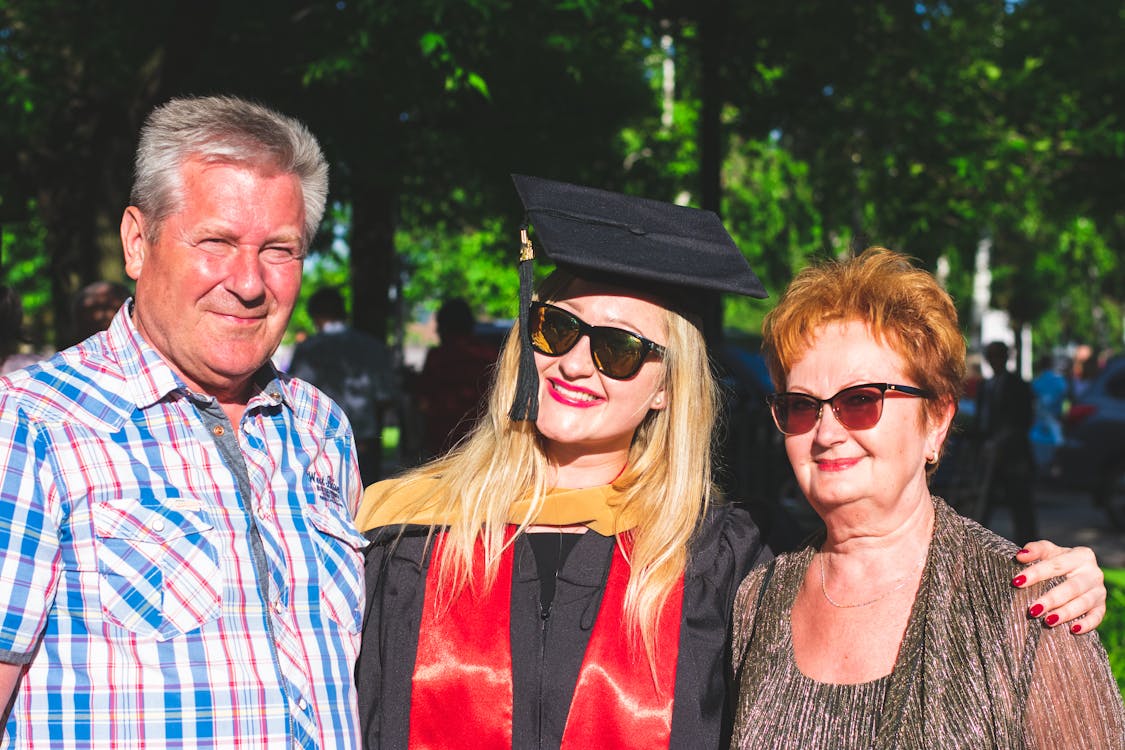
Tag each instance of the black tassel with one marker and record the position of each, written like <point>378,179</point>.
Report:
<point>526,403</point>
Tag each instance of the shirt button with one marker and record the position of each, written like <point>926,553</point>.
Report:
<point>158,525</point>
<point>302,704</point>
<point>217,430</point>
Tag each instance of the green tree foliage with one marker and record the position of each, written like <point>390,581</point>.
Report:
<point>63,143</point>
<point>927,126</point>
<point>424,107</point>
<point>921,126</point>
<point>429,106</point>
<point>24,269</point>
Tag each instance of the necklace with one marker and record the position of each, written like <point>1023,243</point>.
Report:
<point>869,602</point>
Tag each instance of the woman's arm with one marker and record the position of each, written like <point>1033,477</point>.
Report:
<point>1079,600</point>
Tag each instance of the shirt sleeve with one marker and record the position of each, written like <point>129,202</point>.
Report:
<point>1073,700</point>
<point>29,544</point>
<point>1072,697</point>
<point>745,611</point>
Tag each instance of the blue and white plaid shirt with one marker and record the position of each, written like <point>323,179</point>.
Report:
<point>172,583</point>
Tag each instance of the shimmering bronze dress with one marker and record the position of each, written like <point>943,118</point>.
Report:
<point>972,671</point>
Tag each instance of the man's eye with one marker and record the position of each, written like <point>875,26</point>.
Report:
<point>277,255</point>
<point>213,245</point>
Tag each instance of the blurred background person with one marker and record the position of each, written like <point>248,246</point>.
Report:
<point>94,307</point>
<point>1049,391</point>
<point>1083,370</point>
<point>1004,416</point>
<point>354,368</point>
<point>450,390</point>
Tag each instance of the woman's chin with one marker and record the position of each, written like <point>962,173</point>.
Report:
<point>828,501</point>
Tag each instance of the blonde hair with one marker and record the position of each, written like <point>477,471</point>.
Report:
<point>902,305</point>
<point>667,478</point>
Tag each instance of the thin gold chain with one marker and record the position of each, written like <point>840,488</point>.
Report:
<point>869,602</point>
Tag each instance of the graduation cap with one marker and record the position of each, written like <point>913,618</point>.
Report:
<point>633,242</point>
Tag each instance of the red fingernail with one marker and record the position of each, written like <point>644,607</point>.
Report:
<point>1023,552</point>
<point>1036,610</point>
<point>1076,627</point>
<point>1019,580</point>
<point>1051,620</point>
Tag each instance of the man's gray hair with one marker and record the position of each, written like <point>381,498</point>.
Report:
<point>222,129</point>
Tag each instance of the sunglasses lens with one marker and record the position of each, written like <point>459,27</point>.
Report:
<point>858,408</point>
<point>794,413</point>
<point>552,331</point>
<point>617,353</point>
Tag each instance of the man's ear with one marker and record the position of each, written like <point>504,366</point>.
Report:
<point>133,241</point>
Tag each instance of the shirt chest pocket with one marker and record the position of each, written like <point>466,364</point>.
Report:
<point>158,570</point>
<point>339,550</point>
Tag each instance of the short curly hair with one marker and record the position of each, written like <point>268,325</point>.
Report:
<point>903,306</point>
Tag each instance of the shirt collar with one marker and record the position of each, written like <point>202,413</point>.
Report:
<point>149,378</point>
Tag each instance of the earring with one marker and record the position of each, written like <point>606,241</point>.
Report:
<point>932,458</point>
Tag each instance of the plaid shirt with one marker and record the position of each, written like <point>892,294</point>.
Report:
<point>172,583</point>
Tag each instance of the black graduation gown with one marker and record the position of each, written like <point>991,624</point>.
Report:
<point>547,654</point>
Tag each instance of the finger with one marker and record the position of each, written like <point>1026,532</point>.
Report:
<point>1089,622</point>
<point>1082,623</point>
<point>1036,551</point>
<point>1069,599</point>
<point>1078,563</point>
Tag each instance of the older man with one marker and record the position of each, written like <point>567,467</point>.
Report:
<point>176,553</point>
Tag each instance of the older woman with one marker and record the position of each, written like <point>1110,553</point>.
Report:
<point>898,627</point>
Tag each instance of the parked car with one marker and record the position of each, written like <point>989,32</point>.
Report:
<point>1092,454</point>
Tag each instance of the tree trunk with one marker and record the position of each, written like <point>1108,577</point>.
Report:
<point>372,257</point>
<point>713,20</point>
<point>712,37</point>
<point>71,246</point>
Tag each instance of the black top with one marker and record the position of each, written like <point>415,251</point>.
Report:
<point>547,654</point>
<point>551,550</point>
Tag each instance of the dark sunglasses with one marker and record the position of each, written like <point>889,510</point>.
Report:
<point>617,353</point>
<point>856,408</point>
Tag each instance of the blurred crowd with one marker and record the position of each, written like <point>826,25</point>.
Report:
<point>432,408</point>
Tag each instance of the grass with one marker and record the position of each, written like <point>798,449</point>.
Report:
<point>1112,630</point>
<point>391,436</point>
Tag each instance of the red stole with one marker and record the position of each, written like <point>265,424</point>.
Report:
<point>462,685</point>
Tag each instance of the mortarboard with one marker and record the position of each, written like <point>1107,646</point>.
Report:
<point>635,242</point>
